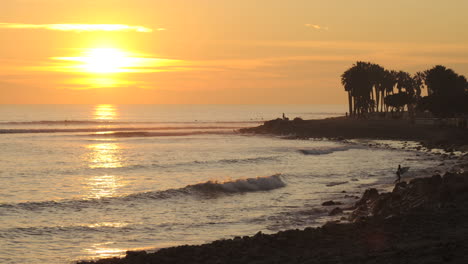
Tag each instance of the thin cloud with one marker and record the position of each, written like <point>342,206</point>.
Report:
<point>79,27</point>
<point>317,27</point>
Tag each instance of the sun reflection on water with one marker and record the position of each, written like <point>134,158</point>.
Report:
<point>105,155</point>
<point>104,186</point>
<point>102,250</point>
<point>107,224</point>
<point>105,112</point>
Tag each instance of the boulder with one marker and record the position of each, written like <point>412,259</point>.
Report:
<point>335,211</point>
<point>330,203</point>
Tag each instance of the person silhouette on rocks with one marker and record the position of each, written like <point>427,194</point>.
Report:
<point>398,173</point>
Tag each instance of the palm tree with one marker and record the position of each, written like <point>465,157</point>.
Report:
<point>358,83</point>
<point>346,81</point>
<point>378,76</point>
<point>389,82</point>
<point>447,91</point>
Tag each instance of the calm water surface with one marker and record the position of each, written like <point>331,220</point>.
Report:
<point>92,181</point>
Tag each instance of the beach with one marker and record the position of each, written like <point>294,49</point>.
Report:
<point>85,182</point>
<point>420,220</point>
<point>137,131</point>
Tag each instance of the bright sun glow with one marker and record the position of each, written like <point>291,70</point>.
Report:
<point>106,60</point>
<point>113,60</point>
<point>102,67</point>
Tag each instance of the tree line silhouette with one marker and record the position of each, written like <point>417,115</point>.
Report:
<point>372,88</point>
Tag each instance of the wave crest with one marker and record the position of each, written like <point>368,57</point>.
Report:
<point>324,150</point>
<point>204,189</point>
<point>241,185</point>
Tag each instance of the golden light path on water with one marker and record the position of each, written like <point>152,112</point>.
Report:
<point>104,250</point>
<point>105,112</point>
<point>104,155</point>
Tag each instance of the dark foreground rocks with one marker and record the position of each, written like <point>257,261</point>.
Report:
<point>424,221</point>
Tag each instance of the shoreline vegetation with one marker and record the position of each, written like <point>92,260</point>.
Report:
<point>424,220</point>
<point>373,89</point>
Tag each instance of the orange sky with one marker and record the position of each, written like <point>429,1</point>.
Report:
<point>215,51</point>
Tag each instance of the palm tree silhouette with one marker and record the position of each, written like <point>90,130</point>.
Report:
<point>357,82</point>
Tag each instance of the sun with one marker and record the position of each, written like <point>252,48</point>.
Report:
<point>102,61</point>
<point>109,66</point>
<point>106,60</point>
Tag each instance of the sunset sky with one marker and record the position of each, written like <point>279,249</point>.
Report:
<point>216,51</point>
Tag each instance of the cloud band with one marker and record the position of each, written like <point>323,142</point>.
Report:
<point>79,27</point>
<point>317,27</point>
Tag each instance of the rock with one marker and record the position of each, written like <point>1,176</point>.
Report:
<point>335,211</point>
<point>135,254</point>
<point>258,235</point>
<point>330,203</point>
<point>368,196</point>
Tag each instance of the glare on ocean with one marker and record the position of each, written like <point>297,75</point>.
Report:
<point>101,250</point>
<point>104,155</point>
<point>105,112</point>
<point>103,186</point>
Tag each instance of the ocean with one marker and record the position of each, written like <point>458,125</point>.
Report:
<point>93,181</point>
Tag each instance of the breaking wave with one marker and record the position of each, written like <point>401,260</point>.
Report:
<point>331,184</point>
<point>325,151</point>
<point>206,189</point>
<point>241,185</point>
<point>244,160</point>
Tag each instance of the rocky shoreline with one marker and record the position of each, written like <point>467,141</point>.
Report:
<point>447,138</point>
<point>424,220</point>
